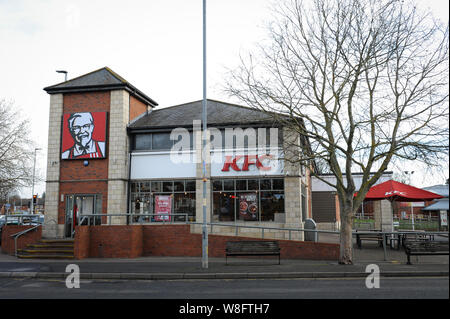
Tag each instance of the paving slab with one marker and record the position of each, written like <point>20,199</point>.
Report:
<point>171,268</point>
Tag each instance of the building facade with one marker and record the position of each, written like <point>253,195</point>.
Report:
<point>115,159</point>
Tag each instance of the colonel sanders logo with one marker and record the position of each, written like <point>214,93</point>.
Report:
<point>84,135</point>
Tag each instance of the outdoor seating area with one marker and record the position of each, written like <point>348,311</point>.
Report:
<point>425,248</point>
<point>375,236</point>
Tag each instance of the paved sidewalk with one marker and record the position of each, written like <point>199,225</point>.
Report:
<point>168,268</point>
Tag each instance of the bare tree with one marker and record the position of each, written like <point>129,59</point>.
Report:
<point>16,150</point>
<point>365,81</point>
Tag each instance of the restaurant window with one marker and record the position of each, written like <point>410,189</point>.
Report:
<point>159,141</point>
<point>248,200</point>
<point>262,137</point>
<point>146,198</point>
<point>143,142</point>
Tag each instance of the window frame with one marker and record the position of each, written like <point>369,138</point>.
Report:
<point>236,191</point>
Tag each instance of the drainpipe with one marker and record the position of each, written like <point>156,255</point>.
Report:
<point>128,184</point>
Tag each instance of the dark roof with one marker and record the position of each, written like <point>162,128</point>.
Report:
<point>219,113</point>
<point>99,80</point>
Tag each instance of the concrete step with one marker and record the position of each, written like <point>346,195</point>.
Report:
<point>67,246</point>
<point>46,251</point>
<point>45,256</point>
<point>57,241</point>
<point>49,249</point>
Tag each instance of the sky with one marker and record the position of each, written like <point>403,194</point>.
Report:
<point>155,45</point>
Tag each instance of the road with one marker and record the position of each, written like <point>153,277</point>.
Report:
<point>390,288</point>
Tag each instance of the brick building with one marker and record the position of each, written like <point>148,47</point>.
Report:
<point>111,152</point>
<point>101,184</point>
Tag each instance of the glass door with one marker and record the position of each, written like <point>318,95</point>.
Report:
<point>80,210</point>
<point>69,226</point>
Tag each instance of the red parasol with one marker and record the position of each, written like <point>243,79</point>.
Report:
<point>399,192</point>
<point>396,191</point>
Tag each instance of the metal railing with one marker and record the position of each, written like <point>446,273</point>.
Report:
<point>96,219</point>
<point>237,226</point>
<point>23,232</point>
<point>22,219</point>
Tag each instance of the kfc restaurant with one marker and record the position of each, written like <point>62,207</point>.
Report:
<point>125,178</point>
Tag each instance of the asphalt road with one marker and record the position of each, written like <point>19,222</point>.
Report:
<point>390,288</point>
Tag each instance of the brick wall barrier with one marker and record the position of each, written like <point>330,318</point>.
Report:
<point>31,237</point>
<point>82,242</point>
<point>177,240</point>
<point>114,241</point>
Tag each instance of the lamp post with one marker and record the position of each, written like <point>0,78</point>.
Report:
<point>32,187</point>
<point>65,74</point>
<point>204,119</point>
<point>409,173</point>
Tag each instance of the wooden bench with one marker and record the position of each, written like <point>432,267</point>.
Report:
<point>252,248</point>
<point>425,248</point>
<point>415,236</point>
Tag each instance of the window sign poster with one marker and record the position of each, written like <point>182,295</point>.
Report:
<point>248,206</point>
<point>163,207</point>
<point>83,135</point>
<point>443,214</point>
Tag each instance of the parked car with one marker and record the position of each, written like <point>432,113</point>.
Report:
<point>33,220</point>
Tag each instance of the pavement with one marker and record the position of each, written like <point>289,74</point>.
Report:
<point>184,268</point>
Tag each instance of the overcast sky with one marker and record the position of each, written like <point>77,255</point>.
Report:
<point>155,45</point>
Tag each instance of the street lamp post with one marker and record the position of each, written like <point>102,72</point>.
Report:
<point>65,74</point>
<point>32,187</point>
<point>204,119</point>
<point>409,173</point>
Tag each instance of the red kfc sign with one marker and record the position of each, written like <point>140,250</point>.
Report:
<point>247,161</point>
<point>84,135</point>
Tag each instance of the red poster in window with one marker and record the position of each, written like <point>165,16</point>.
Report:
<point>163,207</point>
<point>84,135</point>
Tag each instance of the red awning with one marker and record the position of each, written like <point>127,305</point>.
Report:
<point>396,191</point>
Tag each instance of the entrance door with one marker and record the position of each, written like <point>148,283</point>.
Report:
<point>79,211</point>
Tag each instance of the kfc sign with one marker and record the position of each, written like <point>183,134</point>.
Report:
<point>243,162</point>
<point>84,135</point>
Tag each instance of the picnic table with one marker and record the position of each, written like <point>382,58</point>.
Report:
<point>372,235</point>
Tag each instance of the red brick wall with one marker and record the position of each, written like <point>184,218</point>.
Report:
<point>80,179</point>
<point>29,238</point>
<point>81,242</point>
<point>177,240</point>
<point>87,102</point>
<point>136,108</point>
<point>108,241</point>
<point>172,240</point>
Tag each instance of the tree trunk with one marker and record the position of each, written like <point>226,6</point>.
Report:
<point>346,240</point>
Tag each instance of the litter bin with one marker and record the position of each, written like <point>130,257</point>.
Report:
<point>311,225</point>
